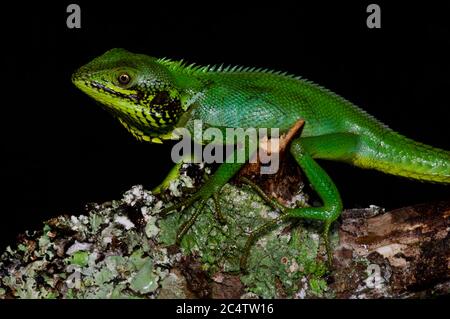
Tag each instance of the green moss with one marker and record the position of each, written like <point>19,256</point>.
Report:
<point>318,286</point>
<point>278,260</point>
<point>79,258</point>
<point>145,280</point>
<point>116,256</point>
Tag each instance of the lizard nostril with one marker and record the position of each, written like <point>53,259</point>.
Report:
<point>74,76</point>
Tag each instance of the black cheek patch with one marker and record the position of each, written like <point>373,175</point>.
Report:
<point>167,106</point>
<point>161,98</point>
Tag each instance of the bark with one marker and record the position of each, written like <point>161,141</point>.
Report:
<point>407,249</point>
<point>124,249</point>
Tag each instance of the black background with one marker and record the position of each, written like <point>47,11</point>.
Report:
<point>59,150</point>
<point>282,308</point>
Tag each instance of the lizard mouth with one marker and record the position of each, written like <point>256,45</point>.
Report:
<point>103,88</point>
<point>104,94</point>
<point>85,84</point>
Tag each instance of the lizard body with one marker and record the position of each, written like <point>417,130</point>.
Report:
<point>151,97</point>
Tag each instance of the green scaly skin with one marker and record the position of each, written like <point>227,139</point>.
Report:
<point>151,97</point>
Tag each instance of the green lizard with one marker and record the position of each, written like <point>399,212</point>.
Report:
<point>151,97</point>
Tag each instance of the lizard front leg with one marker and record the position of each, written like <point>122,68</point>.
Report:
<point>174,173</point>
<point>210,188</point>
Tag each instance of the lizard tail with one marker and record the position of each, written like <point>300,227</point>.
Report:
<point>401,156</point>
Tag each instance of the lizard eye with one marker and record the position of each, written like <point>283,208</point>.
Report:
<point>124,79</point>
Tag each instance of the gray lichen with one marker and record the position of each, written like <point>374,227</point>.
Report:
<point>124,249</point>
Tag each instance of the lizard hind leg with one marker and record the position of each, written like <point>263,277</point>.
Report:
<point>339,146</point>
<point>320,181</point>
<point>336,146</point>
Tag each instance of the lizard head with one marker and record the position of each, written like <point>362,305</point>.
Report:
<point>136,89</point>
